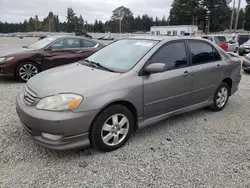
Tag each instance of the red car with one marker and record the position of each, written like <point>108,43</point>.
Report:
<point>47,53</point>
<point>220,40</point>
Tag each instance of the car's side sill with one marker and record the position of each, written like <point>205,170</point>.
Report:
<point>146,122</point>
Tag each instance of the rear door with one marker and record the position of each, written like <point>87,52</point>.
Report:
<point>207,68</point>
<point>88,47</point>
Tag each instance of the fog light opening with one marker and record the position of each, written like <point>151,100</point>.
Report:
<point>51,136</point>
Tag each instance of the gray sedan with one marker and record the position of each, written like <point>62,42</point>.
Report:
<point>127,85</point>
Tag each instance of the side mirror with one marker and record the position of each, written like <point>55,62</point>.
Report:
<point>155,68</point>
<point>48,49</point>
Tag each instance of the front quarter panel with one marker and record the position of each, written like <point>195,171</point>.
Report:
<point>127,87</point>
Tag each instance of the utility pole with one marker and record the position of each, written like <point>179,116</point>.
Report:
<point>237,16</point>
<point>208,22</point>
<point>121,22</point>
<point>232,18</point>
<point>75,22</point>
<point>49,25</point>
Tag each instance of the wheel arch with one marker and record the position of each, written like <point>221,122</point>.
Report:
<point>128,105</point>
<point>26,60</point>
<point>229,82</point>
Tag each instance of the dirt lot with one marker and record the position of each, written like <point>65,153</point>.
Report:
<point>198,149</point>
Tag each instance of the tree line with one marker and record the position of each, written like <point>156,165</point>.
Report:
<point>182,12</point>
<point>199,12</point>
<point>52,23</point>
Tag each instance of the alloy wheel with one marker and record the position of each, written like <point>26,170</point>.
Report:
<point>222,97</point>
<point>27,71</point>
<point>115,129</point>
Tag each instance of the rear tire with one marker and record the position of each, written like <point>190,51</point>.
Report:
<point>26,70</point>
<point>221,97</point>
<point>111,128</point>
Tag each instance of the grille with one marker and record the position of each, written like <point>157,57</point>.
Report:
<point>29,96</point>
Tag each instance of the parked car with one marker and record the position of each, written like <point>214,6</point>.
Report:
<point>126,85</point>
<point>244,48</point>
<point>106,38</point>
<point>242,38</point>
<point>246,63</point>
<point>220,40</point>
<point>79,32</point>
<point>42,36</point>
<point>101,38</point>
<point>233,46</point>
<point>47,53</point>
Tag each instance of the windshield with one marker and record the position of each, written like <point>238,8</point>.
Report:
<point>122,55</point>
<point>42,43</point>
<point>247,42</point>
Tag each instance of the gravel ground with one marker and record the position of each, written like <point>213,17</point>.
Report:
<point>197,149</point>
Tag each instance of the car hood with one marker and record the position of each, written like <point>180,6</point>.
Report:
<point>13,51</point>
<point>68,79</point>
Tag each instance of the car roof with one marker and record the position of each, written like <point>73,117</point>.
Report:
<point>67,36</point>
<point>165,38</point>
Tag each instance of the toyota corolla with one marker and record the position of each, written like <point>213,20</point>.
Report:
<point>125,86</point>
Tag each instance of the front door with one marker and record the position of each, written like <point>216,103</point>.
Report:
<point>207,70</point>
<point>170,90</point>
<point>63,52</point>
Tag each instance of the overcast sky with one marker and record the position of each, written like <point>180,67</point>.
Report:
<point>18,10</point>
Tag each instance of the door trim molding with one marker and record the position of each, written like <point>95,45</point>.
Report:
<point>146,122</point>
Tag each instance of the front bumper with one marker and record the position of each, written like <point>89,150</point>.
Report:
<point>7,69</point>
<point>73,127</point>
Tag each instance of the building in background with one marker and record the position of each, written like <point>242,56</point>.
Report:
<point>174,30</point>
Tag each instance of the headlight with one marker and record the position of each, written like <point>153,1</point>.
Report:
<point>5,59</point>
<point>59,102</point>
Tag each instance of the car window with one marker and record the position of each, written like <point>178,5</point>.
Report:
<point>65,44</point>
<point>243,38</point>
<point>203,53</point>
<point>173,55</point>
<point>57,45</point>
<point>73,43</point>
<point>220,39</point>
<point>88,44</point>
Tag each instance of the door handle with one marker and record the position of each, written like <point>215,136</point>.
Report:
<point>80,51</point>
<point>186,73</point>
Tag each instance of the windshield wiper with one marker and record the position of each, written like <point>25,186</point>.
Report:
<point>98,65</point>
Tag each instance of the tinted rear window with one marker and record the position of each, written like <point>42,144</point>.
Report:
<point>220,39</point>
<point>243,38</point>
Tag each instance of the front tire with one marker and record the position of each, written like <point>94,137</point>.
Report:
<point>221,97</point>
<point>26,70</point>
<point>112,128</point>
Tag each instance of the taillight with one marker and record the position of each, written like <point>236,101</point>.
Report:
<point>224,46</point>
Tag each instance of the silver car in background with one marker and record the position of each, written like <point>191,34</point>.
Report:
<point>127,85</point>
